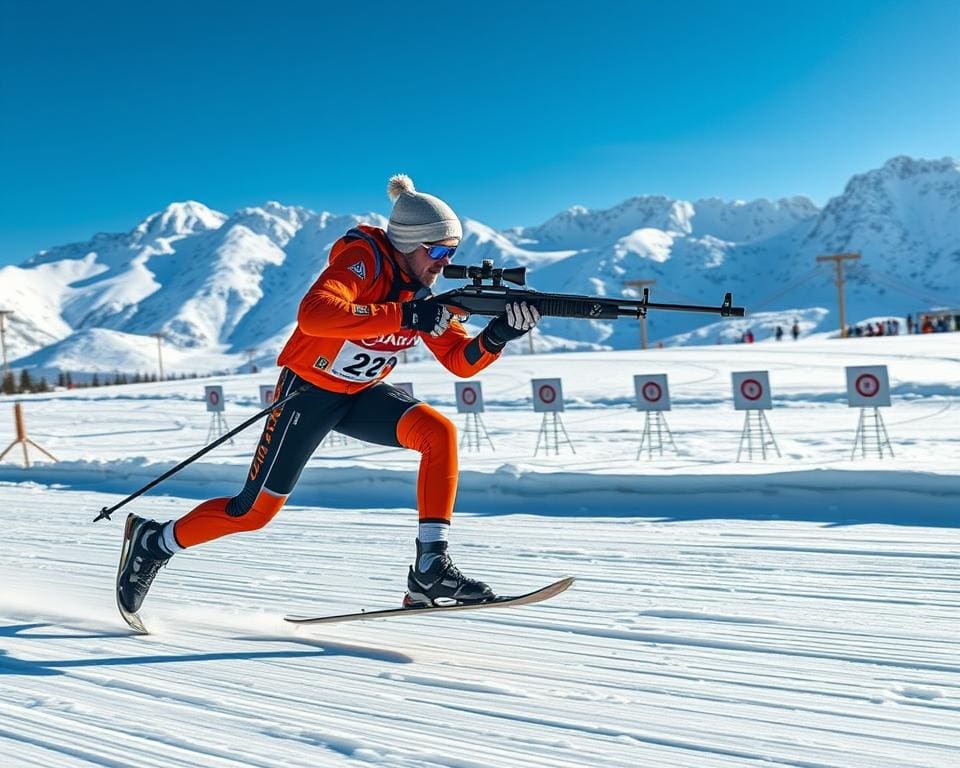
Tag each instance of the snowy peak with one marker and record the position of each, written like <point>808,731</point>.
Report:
<point>273,220</point>
<point>903,167</point>
<point>736,221</point>
<point>907,209</point>
<point>483,242</point>
<point>580,227</point>
<point>178,220</point>
<point>745,222</point>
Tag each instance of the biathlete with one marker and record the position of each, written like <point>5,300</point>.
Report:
<point>372,302</point>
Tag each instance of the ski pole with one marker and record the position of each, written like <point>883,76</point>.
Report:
<point>106,512</point>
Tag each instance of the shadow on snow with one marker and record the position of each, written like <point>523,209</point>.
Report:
<point>10,665</point>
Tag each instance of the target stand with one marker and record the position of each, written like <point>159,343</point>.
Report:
<point>23,440</point>
<point>335,440</point>
<point>218,426</point>
<point>551,427</point>
<point>757,435</point>
<point>654,428</point>
<point>871,435</point>
<point>474,431</point>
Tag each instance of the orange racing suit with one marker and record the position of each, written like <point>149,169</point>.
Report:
<point>347,340</point>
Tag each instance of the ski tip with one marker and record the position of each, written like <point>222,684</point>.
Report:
<point>135,623</point>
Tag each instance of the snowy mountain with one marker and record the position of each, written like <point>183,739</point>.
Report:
<point>222,284</point>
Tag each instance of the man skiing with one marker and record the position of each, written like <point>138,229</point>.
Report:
<point>372,302</point>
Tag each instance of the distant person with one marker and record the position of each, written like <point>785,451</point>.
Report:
<point>778,333</point>
<point>795,331</point>
<point>851,332</point>
<point>749,336</point>
<point>371,301</point>
<point>869,331</point>
<point>909,324</point>
<point>879,328</point>
<point>927,326</point>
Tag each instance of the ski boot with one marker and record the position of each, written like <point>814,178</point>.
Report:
<point>142,556</point>
<point>435,580</point>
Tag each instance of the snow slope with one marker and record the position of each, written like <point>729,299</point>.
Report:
<point>795,612</point>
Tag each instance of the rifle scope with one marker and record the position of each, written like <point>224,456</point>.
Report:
<point>515,275</point>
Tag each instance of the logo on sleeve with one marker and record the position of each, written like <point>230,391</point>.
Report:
<point>321,363</point>
<point>361,309</point>
<point>359,270</point>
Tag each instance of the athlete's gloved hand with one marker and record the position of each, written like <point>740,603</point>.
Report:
<point>519,319</point>
<point>427,315</point>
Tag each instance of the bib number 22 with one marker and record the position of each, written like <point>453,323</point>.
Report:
<point>367,367</point>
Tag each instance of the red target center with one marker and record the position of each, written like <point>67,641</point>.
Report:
<point>751,389</point>
<point>867,385</point>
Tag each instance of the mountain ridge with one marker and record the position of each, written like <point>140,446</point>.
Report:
<point>210,280</point>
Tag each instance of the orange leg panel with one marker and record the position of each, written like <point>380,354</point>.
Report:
<point>425,430</point>
<point>210,520</point>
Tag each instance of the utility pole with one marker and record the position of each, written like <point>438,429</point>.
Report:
<point>641,284</point>
<point>159,337</point>
<point>838,259</point>
<point>3,337</point>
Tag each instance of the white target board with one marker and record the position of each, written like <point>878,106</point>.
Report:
<point>214,397</point>
<point>469,397</point>
<point>751,391</point>
<point>868,386</point>
<point>547,395</point>
<point>406,386</point>
<point>267,392</point>
<point>652,392</point>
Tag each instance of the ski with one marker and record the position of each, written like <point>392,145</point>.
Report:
<point>133,620</point>
<point>544,593</point>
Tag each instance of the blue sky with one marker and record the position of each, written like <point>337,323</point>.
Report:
<point>509,111</point>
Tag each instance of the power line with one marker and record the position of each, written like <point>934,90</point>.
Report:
<point>889,281</point>
<point>796,283</point>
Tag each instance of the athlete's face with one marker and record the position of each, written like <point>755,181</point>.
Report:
<point>425,269</point>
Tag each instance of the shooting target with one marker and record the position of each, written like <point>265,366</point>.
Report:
<point>469,397</point>
<point>751,391</point>
<point>652,393</point>
<point>868,386</point>
<point>547,395</point>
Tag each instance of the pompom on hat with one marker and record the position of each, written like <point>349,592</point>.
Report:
<point>418,217</point>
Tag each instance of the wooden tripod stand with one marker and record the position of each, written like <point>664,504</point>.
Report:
<point>22,438</point>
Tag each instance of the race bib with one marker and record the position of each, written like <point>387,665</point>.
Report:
<point>356,363</point>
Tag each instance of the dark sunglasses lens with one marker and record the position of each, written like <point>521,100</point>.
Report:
<point>437,252</point>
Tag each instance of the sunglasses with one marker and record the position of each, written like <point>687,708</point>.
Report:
<point>437,252</point>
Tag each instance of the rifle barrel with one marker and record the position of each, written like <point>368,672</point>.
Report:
<point>490,301</point>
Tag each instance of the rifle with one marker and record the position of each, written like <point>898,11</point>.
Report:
<point>491,300</point>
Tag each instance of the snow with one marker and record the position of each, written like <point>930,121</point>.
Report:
<point>795,612</point>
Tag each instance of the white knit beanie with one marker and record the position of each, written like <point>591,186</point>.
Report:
<point>417,217</point>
